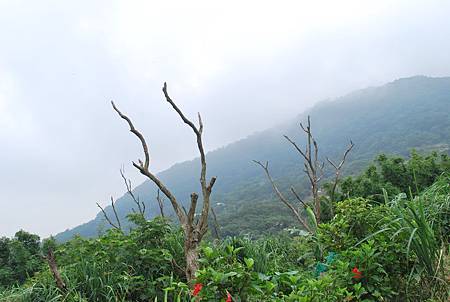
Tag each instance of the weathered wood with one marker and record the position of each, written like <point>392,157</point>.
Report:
<point>193,230</point>
<point>51,260</point>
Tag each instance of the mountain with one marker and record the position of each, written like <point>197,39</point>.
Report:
<point>395,118</point>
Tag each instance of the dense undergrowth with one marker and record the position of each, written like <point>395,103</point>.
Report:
<point>385,242</point>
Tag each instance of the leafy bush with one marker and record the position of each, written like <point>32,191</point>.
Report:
<point>394,249</point>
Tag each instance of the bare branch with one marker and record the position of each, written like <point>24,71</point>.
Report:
<point>281,196</point>
<point>115,213</point>
<point>127,182</point>
<point>138,134</point>
<point>203,221</point>
<point>296,147</point>
<point>191,213</point>
<point>298,197</point>
<point>341,163</point>
<point>160,203</point>
<point>337,172</point>
<point>180,113</point>
<point>143,207</point>
<point>216,223</point>
<point>211,184</point>
<point>332,163</point>
<point>200,123</point>
<point>143,168</point>
<point>118,227</point>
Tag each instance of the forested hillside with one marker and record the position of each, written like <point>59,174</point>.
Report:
<point>394,118</point>
<point>381,233</point>
<point>380,244</point>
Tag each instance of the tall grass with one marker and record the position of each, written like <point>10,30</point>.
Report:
<point>422,223</point>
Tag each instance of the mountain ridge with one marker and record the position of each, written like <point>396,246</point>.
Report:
<point>393,118</point>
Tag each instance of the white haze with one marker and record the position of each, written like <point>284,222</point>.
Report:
<point>245,65</point>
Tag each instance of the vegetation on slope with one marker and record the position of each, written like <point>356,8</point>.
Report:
<point>392,119</point>
<point>388,241</point>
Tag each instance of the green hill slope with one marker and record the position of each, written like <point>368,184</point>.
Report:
<point>394,118</point>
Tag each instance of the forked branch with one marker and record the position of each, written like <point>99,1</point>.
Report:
<point>337,170</point>
<point>144,167</point>
<point>198,131</point>
<point>140,204</point>
<point>116,225</point>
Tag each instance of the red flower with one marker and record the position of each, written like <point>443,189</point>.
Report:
<point>357,274</point>
<point>228,297</point>
<point>197,289</point>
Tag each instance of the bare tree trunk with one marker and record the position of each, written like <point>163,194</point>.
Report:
<point>191,255</point>
<point>54,269</point>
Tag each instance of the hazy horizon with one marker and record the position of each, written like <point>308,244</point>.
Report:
<point>62,63</point>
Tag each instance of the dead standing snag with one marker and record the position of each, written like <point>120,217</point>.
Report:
<point>51,260</point>
<point>193,230</point>
<point>313,168</point>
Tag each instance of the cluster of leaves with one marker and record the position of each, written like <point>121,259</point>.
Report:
<point>20,258</point>
<point>395,175</point>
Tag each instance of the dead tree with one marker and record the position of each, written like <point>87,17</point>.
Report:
<point>194,230</point>
<point>313,167</point>
<point>51,260</point>
<point>337,172</point>
<point>116,225</point>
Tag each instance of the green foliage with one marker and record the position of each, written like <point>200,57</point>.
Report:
<point>396,175</point>
<point>117,266</point>
<point>394,249</point>
<point>20,258</point>
<point>421,225</point>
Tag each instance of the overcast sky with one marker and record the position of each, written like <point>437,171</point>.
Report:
<point>245,65</point>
